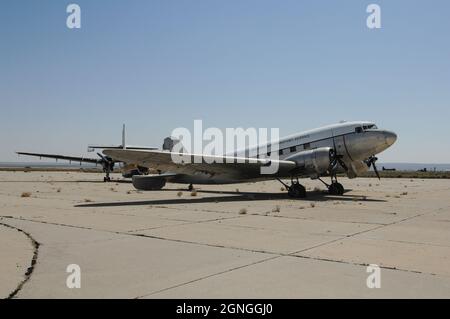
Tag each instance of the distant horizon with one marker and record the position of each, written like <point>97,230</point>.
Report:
<point>50,162</point>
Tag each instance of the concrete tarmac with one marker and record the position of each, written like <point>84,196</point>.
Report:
<point>226,241</point>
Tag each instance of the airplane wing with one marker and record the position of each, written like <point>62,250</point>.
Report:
<point>63,157</point>
<point>237,167</point>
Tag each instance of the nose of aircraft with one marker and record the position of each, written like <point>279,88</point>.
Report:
<point>390,137</point>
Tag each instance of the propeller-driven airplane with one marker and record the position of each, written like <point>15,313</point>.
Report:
<point>108,163</point>
<point>348,147</point>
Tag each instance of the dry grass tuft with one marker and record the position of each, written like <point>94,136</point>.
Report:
<point>276,209</point>
<point>312,205</point>
<point>179,194</point>
<point>58,190</point>
<point>194,193</point>
<point>242,211</point>
<point>87,200</point>
<point>26,194</point>
<point>405,193</point>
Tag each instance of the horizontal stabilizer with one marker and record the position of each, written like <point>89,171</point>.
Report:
<point>91,148</point>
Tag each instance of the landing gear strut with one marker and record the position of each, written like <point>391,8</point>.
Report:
<point>335,188</point>
<point>106,178</point>
<point>107,165</point>
<point>296,189</point>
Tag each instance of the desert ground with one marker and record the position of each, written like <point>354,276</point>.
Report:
<point>226,241</point>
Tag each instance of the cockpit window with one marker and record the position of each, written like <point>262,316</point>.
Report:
<point>370,127</point>
<point>358,129</point>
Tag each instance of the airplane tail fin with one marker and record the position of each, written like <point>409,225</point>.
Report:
<point>123,137</point>
<point>92,148</point>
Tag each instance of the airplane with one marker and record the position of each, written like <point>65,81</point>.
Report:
<point>108,163</point>
<point>348,147</point>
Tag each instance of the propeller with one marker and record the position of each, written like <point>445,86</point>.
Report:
<point>106,162</point>
<point>336,159</point>
<point>371,162</point>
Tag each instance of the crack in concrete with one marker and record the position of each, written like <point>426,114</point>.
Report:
<point>274,254</point>
<point>359,233</point>
<point>32,264</point>
<point>279,255</point>
<point>208,276</point>
<point>184,222</point>
<point>361,264</point>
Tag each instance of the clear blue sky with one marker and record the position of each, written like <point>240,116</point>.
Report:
<point>157,65</point>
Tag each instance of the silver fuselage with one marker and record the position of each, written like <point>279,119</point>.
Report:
<point>354,141</point>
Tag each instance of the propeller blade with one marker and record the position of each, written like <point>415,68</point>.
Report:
<point>376,170</point>
<point>371,162</point>
<point>341,162</point>
<point>101,156</point>
<point>336,159</point>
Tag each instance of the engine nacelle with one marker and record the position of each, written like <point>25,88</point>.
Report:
<point>313,162</point>
<point>148,183</point>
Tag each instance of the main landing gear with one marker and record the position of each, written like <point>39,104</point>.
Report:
<point>335,188</point>
<point>295,190</point>
<point>107,165</point>
<point>107,172</point>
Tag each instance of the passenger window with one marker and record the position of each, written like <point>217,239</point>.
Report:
<point>358,129</point>
<point>280,152</point>
<point>306,146</point>
<point>268,154</point>
<point>293,149</point>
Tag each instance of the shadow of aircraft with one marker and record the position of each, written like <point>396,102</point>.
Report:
<point>233,196</point>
